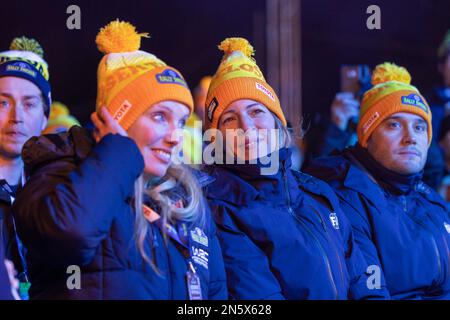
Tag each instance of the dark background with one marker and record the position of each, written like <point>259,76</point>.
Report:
<point>185,34</point>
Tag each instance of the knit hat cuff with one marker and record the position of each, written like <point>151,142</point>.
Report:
<point>146,90</point>
<point>25,70</point>
<point>387,106</point>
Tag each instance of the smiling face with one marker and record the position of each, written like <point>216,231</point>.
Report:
<point>250,117</point>
<point>21,115</point>
<point>400,143</point>
<point>155,135</point>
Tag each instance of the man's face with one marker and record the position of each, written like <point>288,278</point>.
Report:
<point>400,143</point>
<point>21,115</point>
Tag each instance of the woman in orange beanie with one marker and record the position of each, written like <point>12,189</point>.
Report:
<point>282,232</point>
<point>119,211</point>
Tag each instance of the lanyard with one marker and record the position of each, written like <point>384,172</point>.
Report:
<point>6,187</point>
<point>23,285</point>
<point>155,218</point>
<point>192,278</point>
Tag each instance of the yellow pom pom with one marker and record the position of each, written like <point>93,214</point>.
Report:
<point>58,109</point>
<point>390,72</point>
<point>205,82</point>
<point>27,44</point>
<point>229,45</point>
<point>119,36</point>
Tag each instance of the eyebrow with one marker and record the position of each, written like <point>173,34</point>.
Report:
<point>8,95</point>
<point>170,110</point>
<point>420,120</point>
<point>247,107</point>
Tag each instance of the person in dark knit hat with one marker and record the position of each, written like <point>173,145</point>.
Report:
<point>25,98</point>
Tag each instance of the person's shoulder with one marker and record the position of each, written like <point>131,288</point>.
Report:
<point>202,177</point>
<point>431,196</point>
<point>314,185</point>
<point>329,168</point>
<point>227,187</point>
<point>76,143</point>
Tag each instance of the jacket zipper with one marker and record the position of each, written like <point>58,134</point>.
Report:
<point>436,249</point>
<point>447,252</point>
<point>319,245</point>
<point>331,244</point>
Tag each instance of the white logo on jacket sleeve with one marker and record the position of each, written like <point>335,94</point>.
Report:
<point>447,227</point>
<point>334,220</point>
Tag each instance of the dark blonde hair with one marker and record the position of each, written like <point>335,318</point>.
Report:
<point>193,210</point>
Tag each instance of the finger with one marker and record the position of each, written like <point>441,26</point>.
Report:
<point>350,110</point>
<point>96,121</point>
<point>350,101</point>
<point>96,135</point>
<point>112,123</point>
<point>106,116</point>
<point>344,95</point>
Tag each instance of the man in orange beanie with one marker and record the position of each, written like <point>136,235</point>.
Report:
<point>401,224</point>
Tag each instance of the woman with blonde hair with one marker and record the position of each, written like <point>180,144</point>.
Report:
<point>117,211</point>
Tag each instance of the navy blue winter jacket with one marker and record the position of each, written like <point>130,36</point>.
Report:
<point>75,209</point>
<point>406,233</point>
<point>284,236</point>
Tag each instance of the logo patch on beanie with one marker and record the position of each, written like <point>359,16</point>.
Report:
<point>124,108</point>
<point>21,67</point>
<point>370,122</point>
<point>170,76</point>
<point>264,90</point>
<point>35,65</point>
<point>415,100</point>
<point>211,108</point>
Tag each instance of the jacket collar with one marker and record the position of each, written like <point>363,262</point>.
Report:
<point>245,183</point>
<point>7,191</point>
<point>392,181</point>
<point>361,181</point>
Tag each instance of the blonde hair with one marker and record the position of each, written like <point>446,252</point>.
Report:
<point>285,137</point>
<point>193,209</point>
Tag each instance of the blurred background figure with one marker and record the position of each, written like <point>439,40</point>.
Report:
<point>444,143</point>
<point>192,138</point>
<point>200,93</point>
<point>60,119</point>
<point>338,130</point>
<point>439,99</point>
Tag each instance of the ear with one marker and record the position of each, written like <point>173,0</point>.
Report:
<point>44,123</point>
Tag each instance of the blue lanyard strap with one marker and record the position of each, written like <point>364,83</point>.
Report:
<point>171,232</point>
